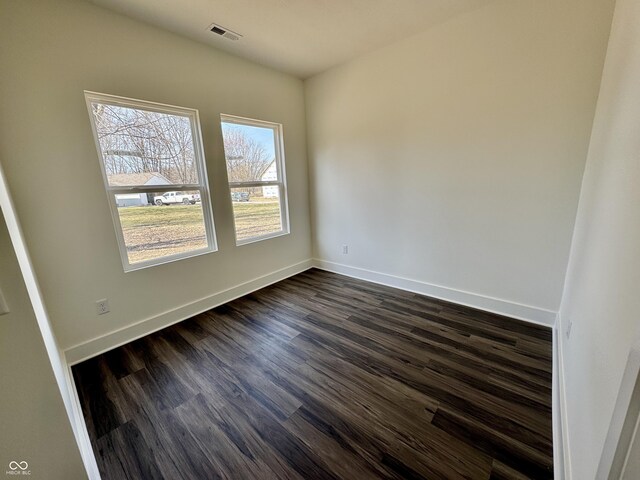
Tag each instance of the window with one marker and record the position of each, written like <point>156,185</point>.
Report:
<point>153,168</point>
<point>254,154</point>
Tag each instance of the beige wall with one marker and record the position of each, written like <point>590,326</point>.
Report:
<point>50,51</point>
<point>34,425</point>
<point>454,157</point>
<point>601,298</point>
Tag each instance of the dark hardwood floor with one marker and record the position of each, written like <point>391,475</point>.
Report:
<point>322,376</point>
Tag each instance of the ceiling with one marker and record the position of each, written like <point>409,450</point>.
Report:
<point>300,37</point>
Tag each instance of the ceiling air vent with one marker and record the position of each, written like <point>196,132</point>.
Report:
<point>224,32</point>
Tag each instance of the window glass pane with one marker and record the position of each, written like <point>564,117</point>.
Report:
<point>140,147</point>
<point>256,211</point>
<point>149,151</point>
<point>250,152</point>
<point>152,232</point>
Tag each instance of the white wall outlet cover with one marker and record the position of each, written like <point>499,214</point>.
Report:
<point>102,306</point>
<point>4,308</point>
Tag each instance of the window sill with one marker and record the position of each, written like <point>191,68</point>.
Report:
<point>261,238</point>
<point>169,259</point>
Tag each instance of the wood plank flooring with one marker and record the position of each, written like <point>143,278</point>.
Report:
<point>322,376</point>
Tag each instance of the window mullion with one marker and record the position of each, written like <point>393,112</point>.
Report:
<point>152,188</point>
<point>266,183</point>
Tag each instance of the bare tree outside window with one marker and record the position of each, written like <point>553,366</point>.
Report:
<point>141,141</point>
<point>247,159</point>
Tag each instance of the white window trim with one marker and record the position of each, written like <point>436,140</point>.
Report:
<point>202,187</point>
<point>281,183</point>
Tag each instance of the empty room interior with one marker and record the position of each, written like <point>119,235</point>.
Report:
<point>338,239</point>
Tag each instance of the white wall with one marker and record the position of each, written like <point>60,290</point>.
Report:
<point>455,157</point>
<point>601,296</point>
<point>632,468</point>
<point>34,426</point>
<point>50,51</point>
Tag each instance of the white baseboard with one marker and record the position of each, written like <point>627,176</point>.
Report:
<point>82,435</point>
<point>561,451</point>
<point>519,311</point>
<point>619,445</point>
<point>556,418</point>
<point>116,338</point>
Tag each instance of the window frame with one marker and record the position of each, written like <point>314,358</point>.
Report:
<point>281,183</point>
<point>111,191</point>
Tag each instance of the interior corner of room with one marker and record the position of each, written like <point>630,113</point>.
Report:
<point>481,162</point>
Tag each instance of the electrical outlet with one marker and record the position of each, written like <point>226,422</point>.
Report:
<point>345,249</point>
<point>102,306</point>
<point>569,328</point>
